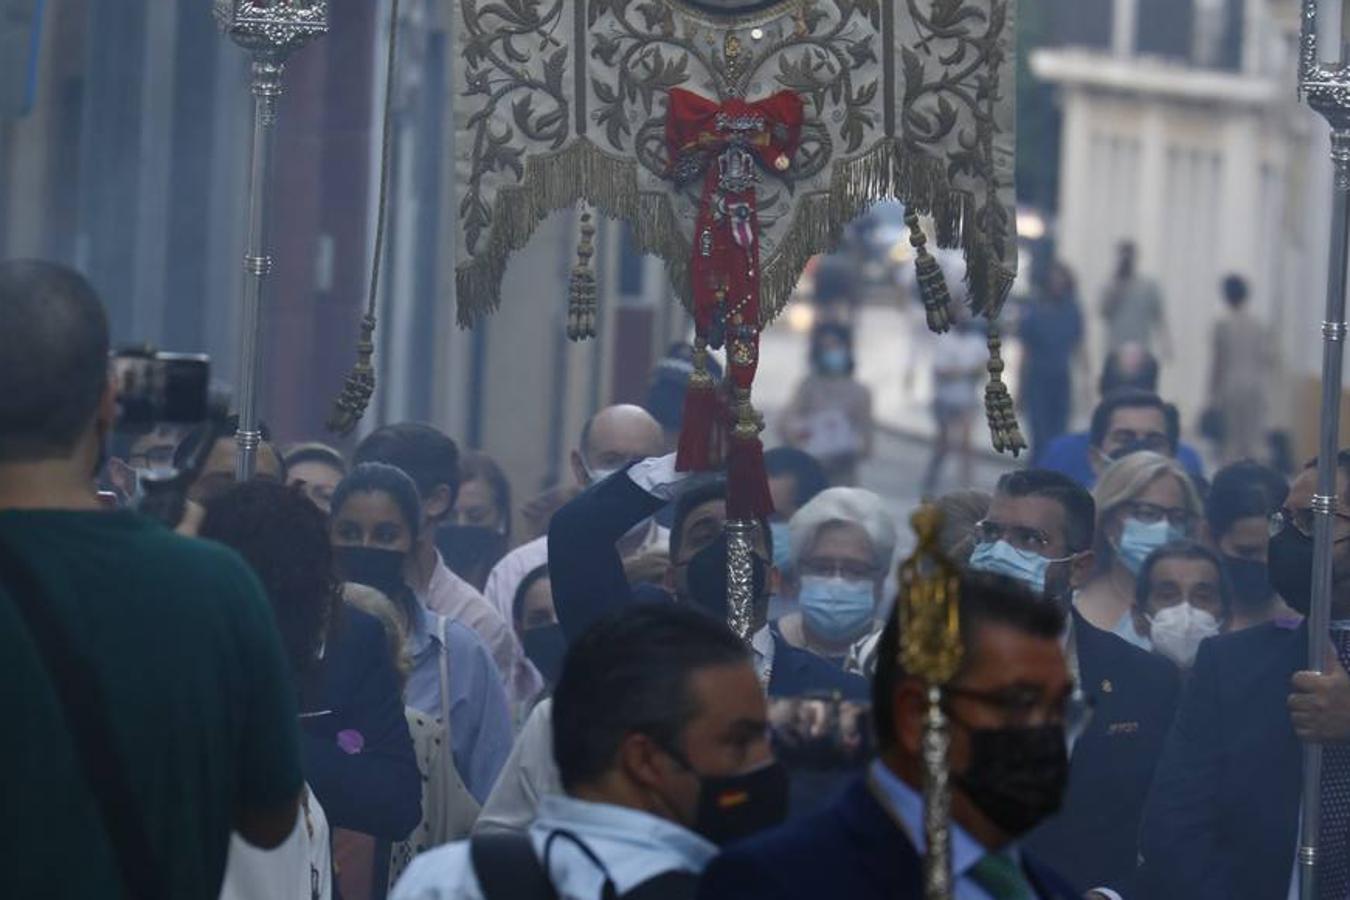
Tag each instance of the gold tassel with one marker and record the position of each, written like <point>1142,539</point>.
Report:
<point>932,283</point>
<point>581,292</point>
<point>359,387</point>
<point>998,404</point>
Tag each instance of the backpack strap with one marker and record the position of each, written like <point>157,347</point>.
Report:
<point>673,885</point>
<point>507,867</point>
<point>80,694</point>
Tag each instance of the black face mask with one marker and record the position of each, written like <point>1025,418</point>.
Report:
<point>374,567</point>
<point>734,807</point>
<point>1251,581</point>
<point>1291,563</point>
<point>1017,776</point>
<point>706,578</point>
<point>467,547</point>
<point>545,646</point>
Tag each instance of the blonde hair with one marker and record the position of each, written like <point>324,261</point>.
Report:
<point>374,603</point>
<point>1127,478</point>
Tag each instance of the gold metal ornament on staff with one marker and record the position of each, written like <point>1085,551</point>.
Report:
<point>931,650</point>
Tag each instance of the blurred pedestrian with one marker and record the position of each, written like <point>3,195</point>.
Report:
<point>660,733</point>
<point>1051,331</point>
<point>376,518</point>
<point>830,413</point>
<point>1144,501</point>
<point>478,534</point>
<point>318,469</point>
<point>1009,771</point>
<point>1040,531</point>
<point>149,708</point>
<point>610,440</point>
<point>959,361</point>
<point>1182,597</point>
<point>1242,369</point>
<point>843,543</point>
<point>431,459</point>
<point>1133,307</point>
<point>1222,818</point>
<point>1241,501</point>
<point>358,754</point>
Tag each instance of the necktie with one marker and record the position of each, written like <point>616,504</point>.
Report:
<point>998,874</point>
<point>1333,857</point>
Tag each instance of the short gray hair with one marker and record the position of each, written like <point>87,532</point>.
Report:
<point>850,506</point>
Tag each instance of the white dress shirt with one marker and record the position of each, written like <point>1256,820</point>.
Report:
<point>529,775</point>
<point>634,847</point>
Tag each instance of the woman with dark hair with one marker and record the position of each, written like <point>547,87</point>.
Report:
<point>1051,330</point>
<point>536,623</point>
<point>1181,597</point>
<point>830,415</point>
<point>478,533</point>
<point>357,752</point>
<point>374,526</point>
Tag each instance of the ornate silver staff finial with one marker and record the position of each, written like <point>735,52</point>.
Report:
<point>1324,81</point>
<point>270,30</point>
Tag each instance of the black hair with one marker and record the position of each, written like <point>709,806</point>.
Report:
<point>315,452</point>
<point>629,674</point>
<point>831,330</point>
<point>53,359</point>
<point>373,477</point>
<point>1145,378</point>
<point>224,430</point>
<point>984,600</point>
<point>1131,398</point>
<point>1182,550</point>
<point>475,465</point>
<point>1235,290</point>
<point>690,499</point>
<point>1241,491</point>
<point>283,536</point>
<point>534,576</point>
<point>429,456</point>
<point>1080,510</point>
<point>807,474</point>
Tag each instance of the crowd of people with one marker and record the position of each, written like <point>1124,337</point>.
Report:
<point>379,673</point>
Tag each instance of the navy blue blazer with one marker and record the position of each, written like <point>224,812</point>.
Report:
<point>588,581</point>
<point>853,850</point>
<point>1222,818</point>
<point>377,791</point>
<point>1094,839</point>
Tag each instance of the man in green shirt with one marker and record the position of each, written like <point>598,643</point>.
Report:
<point>184,663</point>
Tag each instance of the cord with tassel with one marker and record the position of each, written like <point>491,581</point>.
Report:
<point>998,403</point>
<point>359,386</point>
<point>581,289</point>
<point>932,283</point>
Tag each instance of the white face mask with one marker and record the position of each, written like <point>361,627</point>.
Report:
<point>1178,630</point>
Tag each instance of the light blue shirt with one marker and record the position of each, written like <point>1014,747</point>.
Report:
<point>480,715</point>
<point>633,847</point>
<point>907,805</point>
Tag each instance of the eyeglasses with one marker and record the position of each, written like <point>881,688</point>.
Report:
<point>847,569</point>
<point>1032,540</point>
<point>1025,707</point>
<point>1154,441</point>
<point>1151,513</point>
<point>1301,520</point>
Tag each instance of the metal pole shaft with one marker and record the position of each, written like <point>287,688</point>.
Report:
<point>1325,500</point>
<point>741,614</point>
<point>937,799</point>
<point>267,70</point>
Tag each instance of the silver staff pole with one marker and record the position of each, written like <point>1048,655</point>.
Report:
<point>270,32</point>
<point>1326,85</point>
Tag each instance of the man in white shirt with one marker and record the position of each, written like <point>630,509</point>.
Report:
<point>431,459</point>
<point>658,721</point>
<point>610,440</point>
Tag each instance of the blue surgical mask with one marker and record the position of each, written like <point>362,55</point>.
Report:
<point>835,361</point>
<point>836,609</point>
<point>782,546</point>
<point>1140,539</point>
<point>1002,558</point>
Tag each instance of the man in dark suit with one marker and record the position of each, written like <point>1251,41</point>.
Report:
<point>1040,530</point>
<point>588,577</point>
<point>1222,819</point>
<point>1007,708</point>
